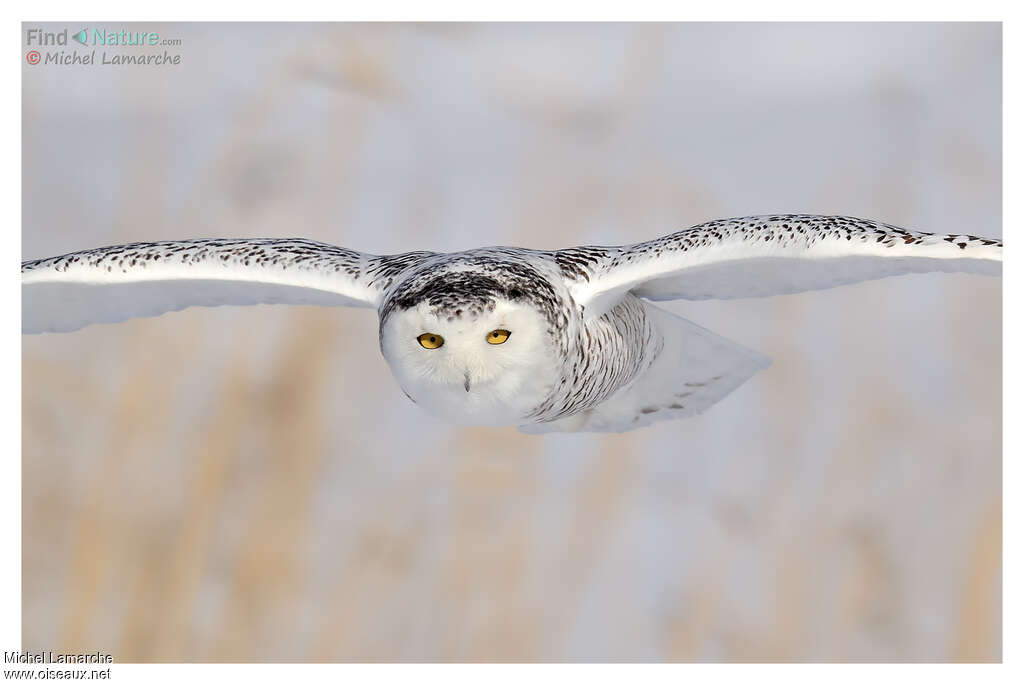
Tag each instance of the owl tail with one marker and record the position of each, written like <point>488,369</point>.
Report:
<point>695,369</point>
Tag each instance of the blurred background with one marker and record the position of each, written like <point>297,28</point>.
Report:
<point>251,485</point>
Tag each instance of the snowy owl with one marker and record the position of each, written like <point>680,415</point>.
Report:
<point>562,340</point>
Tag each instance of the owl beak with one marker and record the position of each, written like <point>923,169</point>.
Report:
<point>466,383</point>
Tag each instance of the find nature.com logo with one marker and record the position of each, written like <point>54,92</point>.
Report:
<point>99,39</point>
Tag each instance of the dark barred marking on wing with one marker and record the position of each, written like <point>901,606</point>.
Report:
<point>579,262</point>
<point>801,230</point>
<point>285,254</point>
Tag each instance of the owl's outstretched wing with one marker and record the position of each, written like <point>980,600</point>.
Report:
<point>765,255</point>
<point>110,284</point>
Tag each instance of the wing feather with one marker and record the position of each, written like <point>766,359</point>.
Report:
<point>121,282</point>
<point>765,255</point>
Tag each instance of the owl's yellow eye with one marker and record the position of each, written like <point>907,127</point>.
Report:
<point>496,337</point>
<point>431,341</point>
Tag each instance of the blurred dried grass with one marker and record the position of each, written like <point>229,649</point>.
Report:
<point>250,485</point>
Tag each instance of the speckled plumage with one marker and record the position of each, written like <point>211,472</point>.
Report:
<point>587,354</point>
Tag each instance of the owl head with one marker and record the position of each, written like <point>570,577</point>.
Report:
<point>466,344</point>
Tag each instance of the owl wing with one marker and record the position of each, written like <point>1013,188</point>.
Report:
<point>695,369</point>
<point>765,255</point>
<point>121,282</point>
